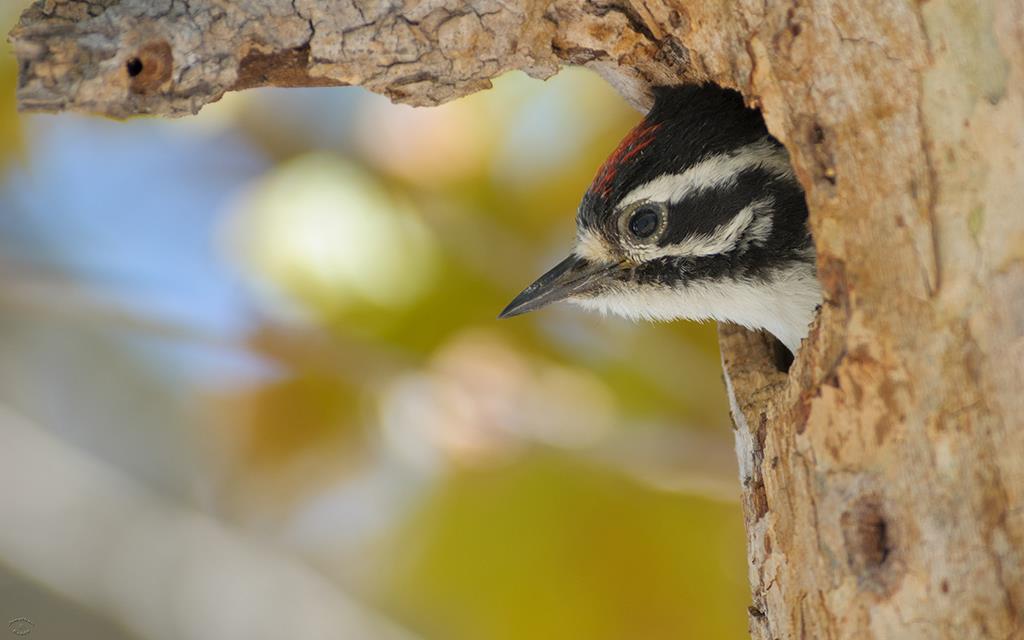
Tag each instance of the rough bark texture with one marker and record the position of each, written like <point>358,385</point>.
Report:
<point>884,473</point>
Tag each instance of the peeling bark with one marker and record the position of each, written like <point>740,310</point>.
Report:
<point>883,474</point>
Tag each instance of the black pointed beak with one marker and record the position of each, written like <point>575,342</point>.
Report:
<point>570,277</point>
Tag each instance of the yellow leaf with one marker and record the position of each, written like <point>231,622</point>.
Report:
<point>11,138</point>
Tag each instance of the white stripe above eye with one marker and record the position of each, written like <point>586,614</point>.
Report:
<point>716,171</point>
<point>752,225</point>
<point>724,238</point>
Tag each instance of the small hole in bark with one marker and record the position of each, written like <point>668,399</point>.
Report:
<point>781,356</point>
<point>822,153</point>
<point>944,586</point>
<point>871,544</point>
<point>134,67</point>
<point>874,540</point>
<point>867,535</point>
<point>149,67</point>
<point>875,543</point>
<point>832,379</point>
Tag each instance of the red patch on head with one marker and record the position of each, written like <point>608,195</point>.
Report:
<point>632,144</point>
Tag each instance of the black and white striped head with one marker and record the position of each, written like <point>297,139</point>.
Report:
<point>697,214</point>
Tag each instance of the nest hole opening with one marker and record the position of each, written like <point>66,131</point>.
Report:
<point>134,67</point>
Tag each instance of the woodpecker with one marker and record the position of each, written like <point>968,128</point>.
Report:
<point>697,214</point>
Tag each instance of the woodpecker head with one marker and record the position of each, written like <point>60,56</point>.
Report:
<point>697,214</point>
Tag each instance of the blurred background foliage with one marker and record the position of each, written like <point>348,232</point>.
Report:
<point>282,313</point>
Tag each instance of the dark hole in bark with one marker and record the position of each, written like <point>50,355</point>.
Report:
<point>871,544</point>
<point>832,379</point>
<point>781,356</point>
<point>875,540</point>
<point>134,67</point>
<point>867,536</point>
<point>150,67</point>
<point>822,151</point>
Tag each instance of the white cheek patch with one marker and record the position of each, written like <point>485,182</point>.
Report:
<point>591,246</point>
<point>784,304</point>
<point>714,172</point>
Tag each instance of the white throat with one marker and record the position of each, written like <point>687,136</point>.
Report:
<point>783,305</point>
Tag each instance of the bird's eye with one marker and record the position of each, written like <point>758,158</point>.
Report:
<point>645,221</point>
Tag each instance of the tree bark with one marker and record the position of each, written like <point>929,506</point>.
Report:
<point>883,474</point>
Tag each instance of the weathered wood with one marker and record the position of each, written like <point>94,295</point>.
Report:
<point>171,57</point>
<point>884,474</point>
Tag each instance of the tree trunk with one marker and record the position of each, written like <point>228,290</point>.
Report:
<point>883,475</point>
